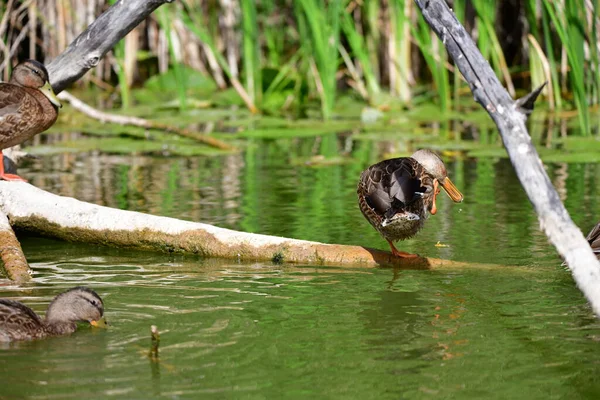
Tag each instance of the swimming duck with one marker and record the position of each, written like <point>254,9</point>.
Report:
<point>397,195</point>
<point>79,304</point>
<point>593,239</point>
<point>28,106</point>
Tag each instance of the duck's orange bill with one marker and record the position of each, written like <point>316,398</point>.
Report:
<point>452,191</point>
<point>101,323</point>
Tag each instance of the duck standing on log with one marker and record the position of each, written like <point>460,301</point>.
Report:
<point>397,195</point>
<point>28,106</point>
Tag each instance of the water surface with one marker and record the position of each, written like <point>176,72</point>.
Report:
<point>520,329</point>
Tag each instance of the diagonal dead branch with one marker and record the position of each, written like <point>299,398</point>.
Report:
<point>487,90</point>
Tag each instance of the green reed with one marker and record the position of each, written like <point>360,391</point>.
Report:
<point>320,35</point>
<point>165,16</point>
<point>359,50</point>
<point>251,51</point>
<point>291,52</point>
<point>120,69</point>
<point>399,47</point>
<point>435,57</point>
<point>192,19</point>
<point>488,41</point>
<point>570,26</point>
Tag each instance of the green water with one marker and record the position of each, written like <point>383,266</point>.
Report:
<point>256,331</point>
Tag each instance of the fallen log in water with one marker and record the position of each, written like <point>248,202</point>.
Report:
<point>42,213</point>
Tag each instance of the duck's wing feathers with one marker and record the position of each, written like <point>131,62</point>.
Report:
<point>18,322</point>
<point>17,108</point>
<point>394,184</point>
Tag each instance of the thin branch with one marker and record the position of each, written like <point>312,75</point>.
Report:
<point>140,122</point>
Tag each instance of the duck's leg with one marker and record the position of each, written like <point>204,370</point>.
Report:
<point>8,177</point>
<point>401,254</point>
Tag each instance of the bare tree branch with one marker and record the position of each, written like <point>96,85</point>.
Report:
<point>86,51</point>
<point>510,119</point>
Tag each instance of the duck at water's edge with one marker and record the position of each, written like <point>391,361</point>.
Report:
<point>397,195</point>
<point>79,304</point>
<point>28,106</point>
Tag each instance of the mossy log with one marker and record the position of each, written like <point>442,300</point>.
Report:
<point>39,212</point>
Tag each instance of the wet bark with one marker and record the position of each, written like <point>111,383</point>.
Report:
<point>509,116</point>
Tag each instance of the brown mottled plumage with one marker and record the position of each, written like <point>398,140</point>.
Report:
<point>28,106</point>
<point>79,304</point>
<point>397,195</point>
<point>594,240</point>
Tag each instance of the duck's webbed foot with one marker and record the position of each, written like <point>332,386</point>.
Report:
<point>401,254</point>
<point>8,177</point>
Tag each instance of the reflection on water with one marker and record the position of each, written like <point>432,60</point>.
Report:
<point>231,330</point>
<point>251,330</point>
<point>270,189</point>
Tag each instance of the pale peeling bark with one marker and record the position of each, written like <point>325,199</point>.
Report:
<point>37,211</point>
<point>11,255</point>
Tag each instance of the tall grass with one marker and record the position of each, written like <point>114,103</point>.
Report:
<point>399,46</point>
<point>165,17</point>
<point>569,24</point>
<point>277,52</point>
<point>357,45</point>
<point>251,47</point>
<point>435,57</point>
<point>489,43</point>
<point>320,37</point>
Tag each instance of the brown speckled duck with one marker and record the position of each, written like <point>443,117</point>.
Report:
<point>593,239</point>
<point>79,304</point>
<point>397,195</point>
<point>28,106</point>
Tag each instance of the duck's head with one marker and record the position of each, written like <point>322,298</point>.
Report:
<point>32,74</point>
<point>79,304</point>
<point>434,165</point>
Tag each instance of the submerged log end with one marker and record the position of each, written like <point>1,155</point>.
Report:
<point>11,254</point>
<point>342,255</point>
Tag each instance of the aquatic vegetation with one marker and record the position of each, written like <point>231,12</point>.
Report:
<point>283,58</point>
